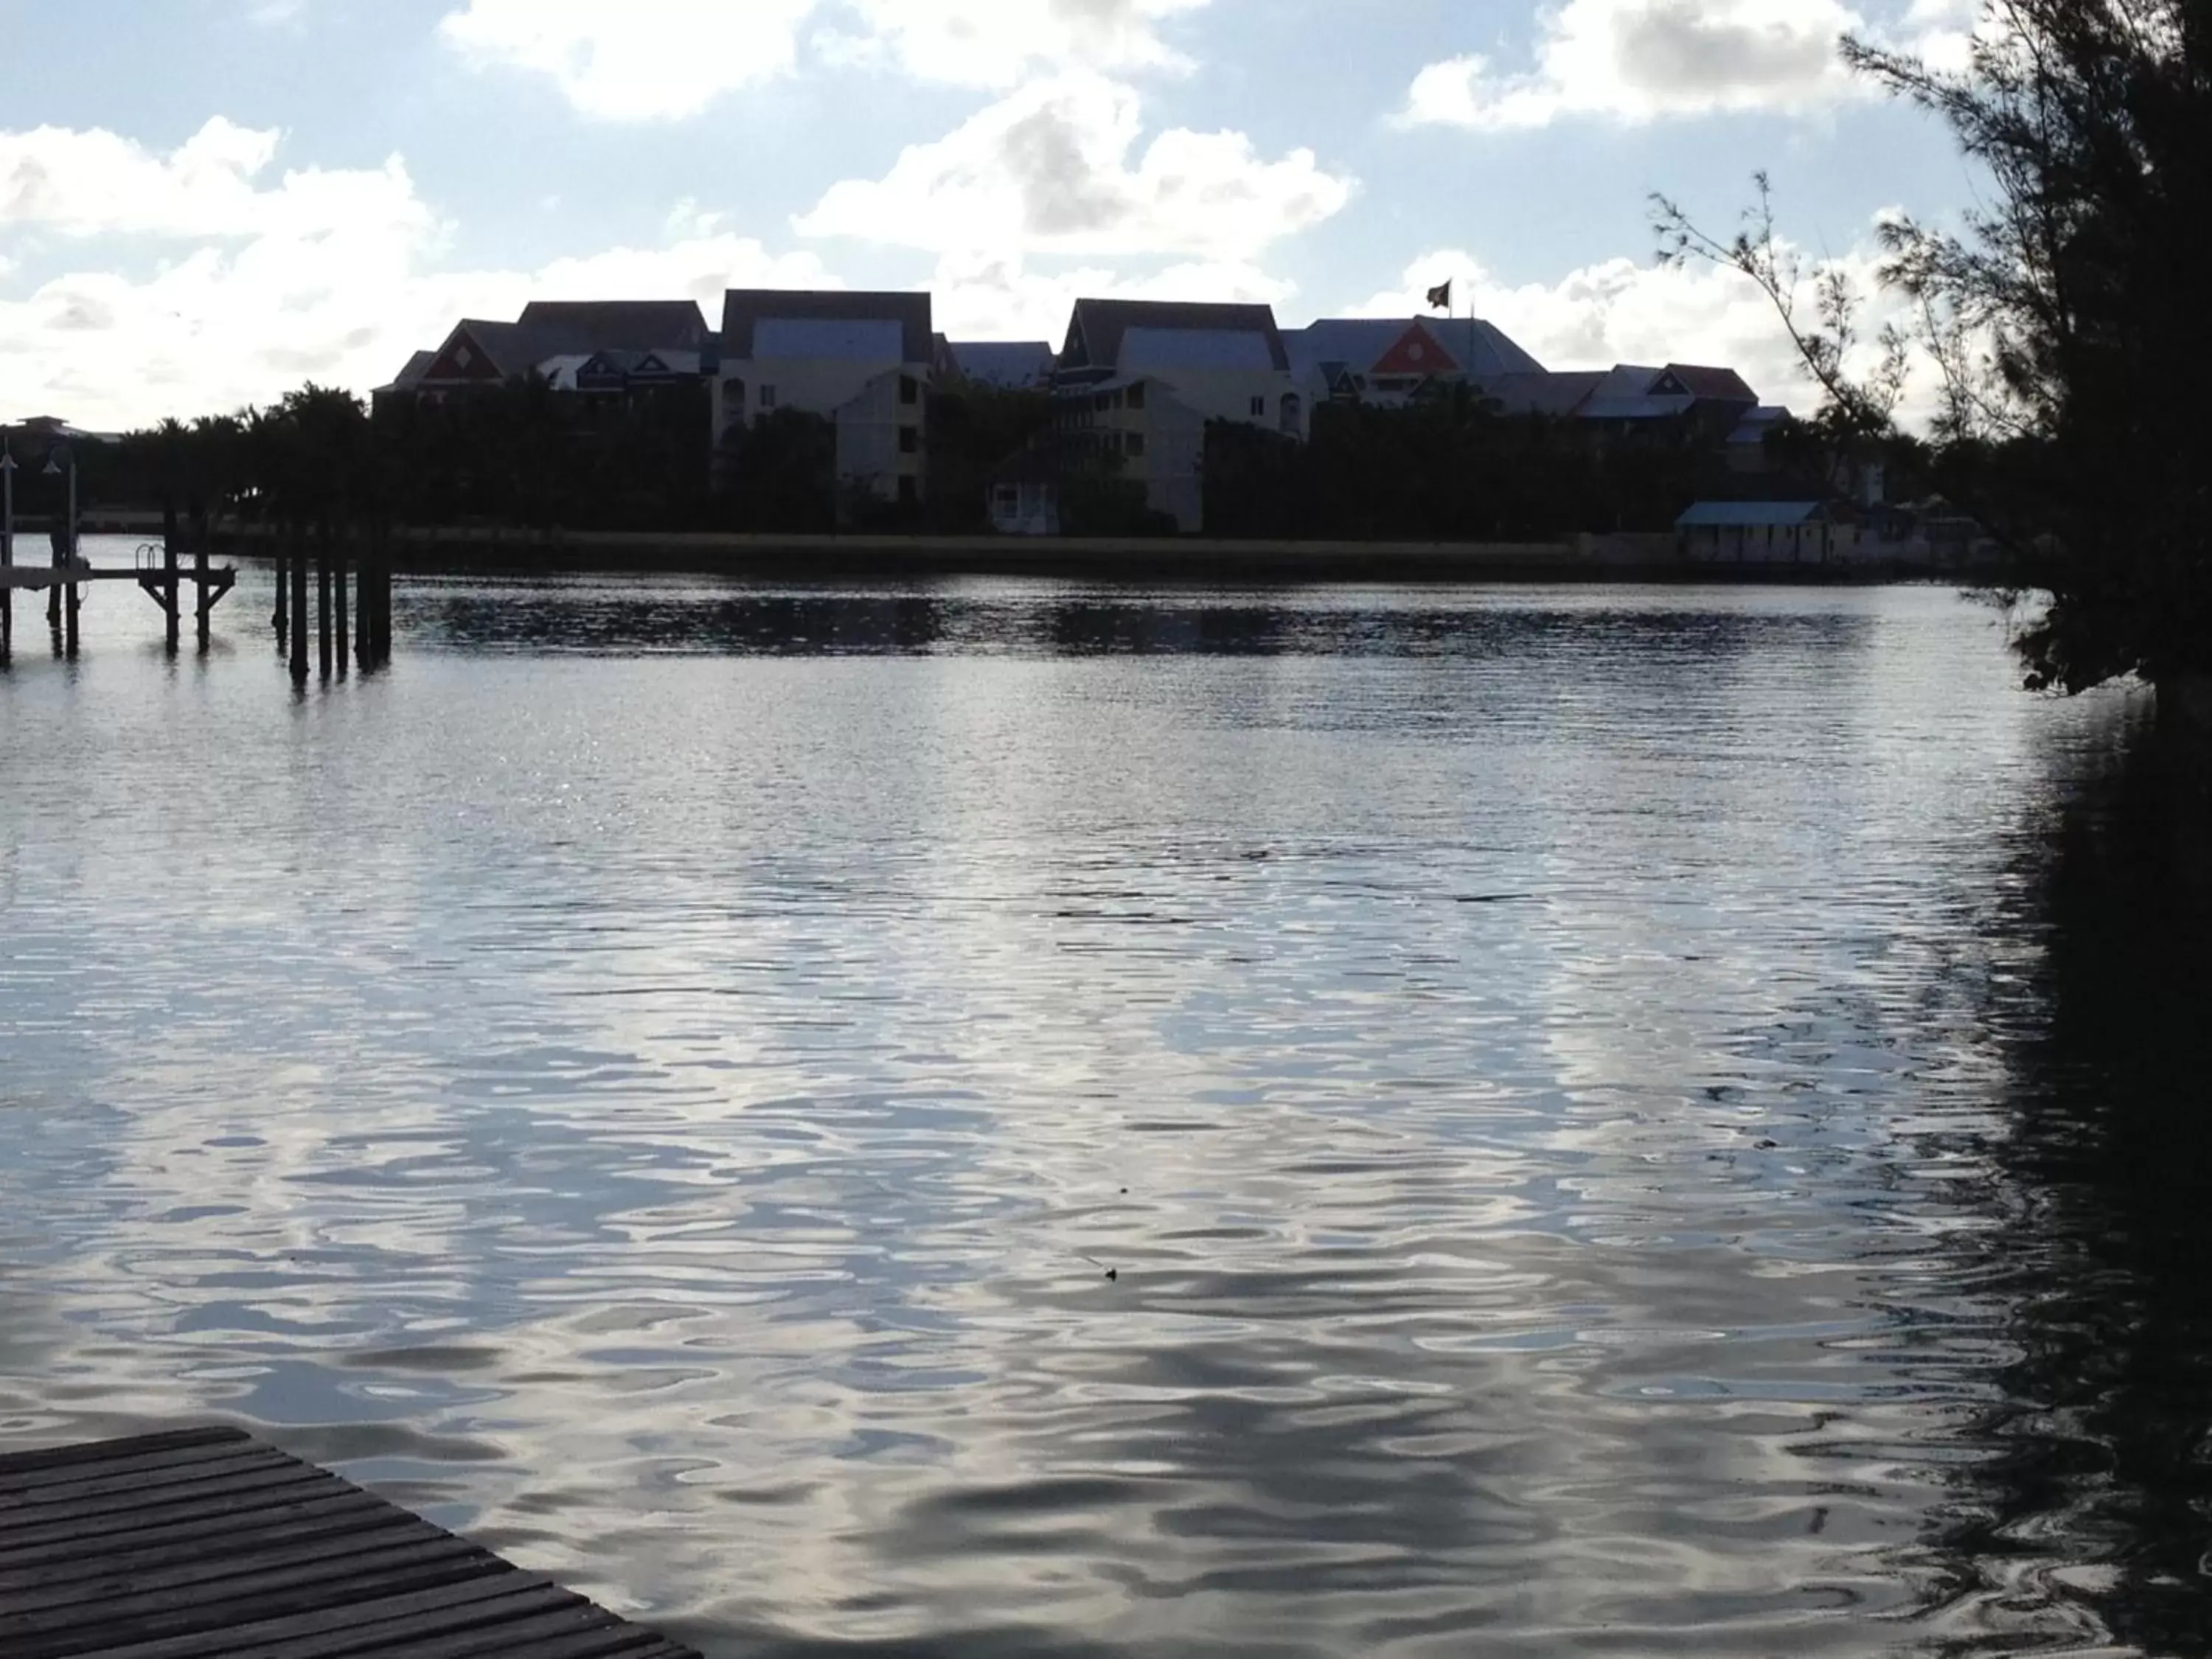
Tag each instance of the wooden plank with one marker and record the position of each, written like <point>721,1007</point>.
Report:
<point>580,1632</point>
<point>72,1563</point>
<point>102,1450</point>
<point>189,1506</point>
<point>156,1596</point>
<point>204,1544</point>
<point>56,1633</point>
<point>212,1520</point>
<point>31,1481</point>
<point>292,1636</point>
<point>209,1561</point>
<point>285,1474</point>
<point>102,1482</point>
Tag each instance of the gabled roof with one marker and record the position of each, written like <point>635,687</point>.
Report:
<point>1648,407</point>
<point>1472,347</point>
<point>1096,331</point>
<point>588,326</point>
<point>1559,394</point>
<point>833,339</point>
<point>743,309</point>
<point>1717,386</point>
<point>566,335</point>
<point>411,376</point>
<point>1750,515</point>
<point>506,347</point>
<point>1010,365</point>
<point>1146,350</point>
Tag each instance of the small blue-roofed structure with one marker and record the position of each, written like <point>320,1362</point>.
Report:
<point>1764,532</point>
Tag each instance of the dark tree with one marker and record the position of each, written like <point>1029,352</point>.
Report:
<point>2067,318</point>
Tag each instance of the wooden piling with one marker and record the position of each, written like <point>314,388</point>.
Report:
<point>364,583</point>
<point>169,591</point>
<point>279,615</point>
<point>299,644</point>
<point>323,600</point>
<point>201,533</point>
<point>338,602</point>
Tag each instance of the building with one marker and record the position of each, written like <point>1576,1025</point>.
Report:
<point>1764,533</point>
<point>627,345</point>
<point>862,361</point>
<point>1747,446</point>
<point>1138,382</point>
<point>1632,399</point>
<point>1388,360</point>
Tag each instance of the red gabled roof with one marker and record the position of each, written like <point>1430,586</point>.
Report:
<point>1416,351</point>
<point>469,353</point>
<point>1720,385</point>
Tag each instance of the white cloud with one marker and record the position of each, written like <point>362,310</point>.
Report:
<point>998,297</point>
<point>668,59</point>
<point>994,43</point>
<point>1637,61</point>
<point>90,182</point>
<point>1050,169</point>
<point>242,291</point>
<point>1641,60</point>
<point>640,60</point>
<point>1620,310</point>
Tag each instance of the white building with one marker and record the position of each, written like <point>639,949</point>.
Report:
<point>862,361</point>
<point>1138,382</point>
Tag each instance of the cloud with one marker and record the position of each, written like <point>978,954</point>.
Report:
<point>92,182</point>
<point>995,43</point>
<point>1620,310</point>
<point>242,288</point>
<point>996,297</point>
<point>669,59</point>
<point>640,60</point>
<point>1050,169</point>
<point>1642,60</point>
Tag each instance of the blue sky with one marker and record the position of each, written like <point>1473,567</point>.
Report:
<point>205,201</point>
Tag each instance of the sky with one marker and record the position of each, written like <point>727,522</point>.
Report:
<point>205,203</point>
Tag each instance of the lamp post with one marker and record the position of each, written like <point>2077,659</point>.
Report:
<point>62,600</point>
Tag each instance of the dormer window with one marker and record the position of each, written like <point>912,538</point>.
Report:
<point>463,356</point>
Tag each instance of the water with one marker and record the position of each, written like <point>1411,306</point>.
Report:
<point>1622,1122</point>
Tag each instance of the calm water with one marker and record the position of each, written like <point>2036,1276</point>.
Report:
<point>1630,1121</point>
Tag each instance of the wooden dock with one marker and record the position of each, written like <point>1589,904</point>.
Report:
<point>206,1544</point>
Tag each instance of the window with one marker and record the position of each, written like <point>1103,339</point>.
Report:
<point>767,396</point>
<point>1137,395</point>
<point>1117,400</point>
<point>733,396</point>
<point>1258,408</point>
<point>909,389</point>
<point>1009,497</point>
<point>909,441</point>
<point>1135,442</point>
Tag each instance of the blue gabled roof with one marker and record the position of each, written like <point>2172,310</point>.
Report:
<point>1751,515</point>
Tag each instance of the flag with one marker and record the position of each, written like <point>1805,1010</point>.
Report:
<point>1440,297</point>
